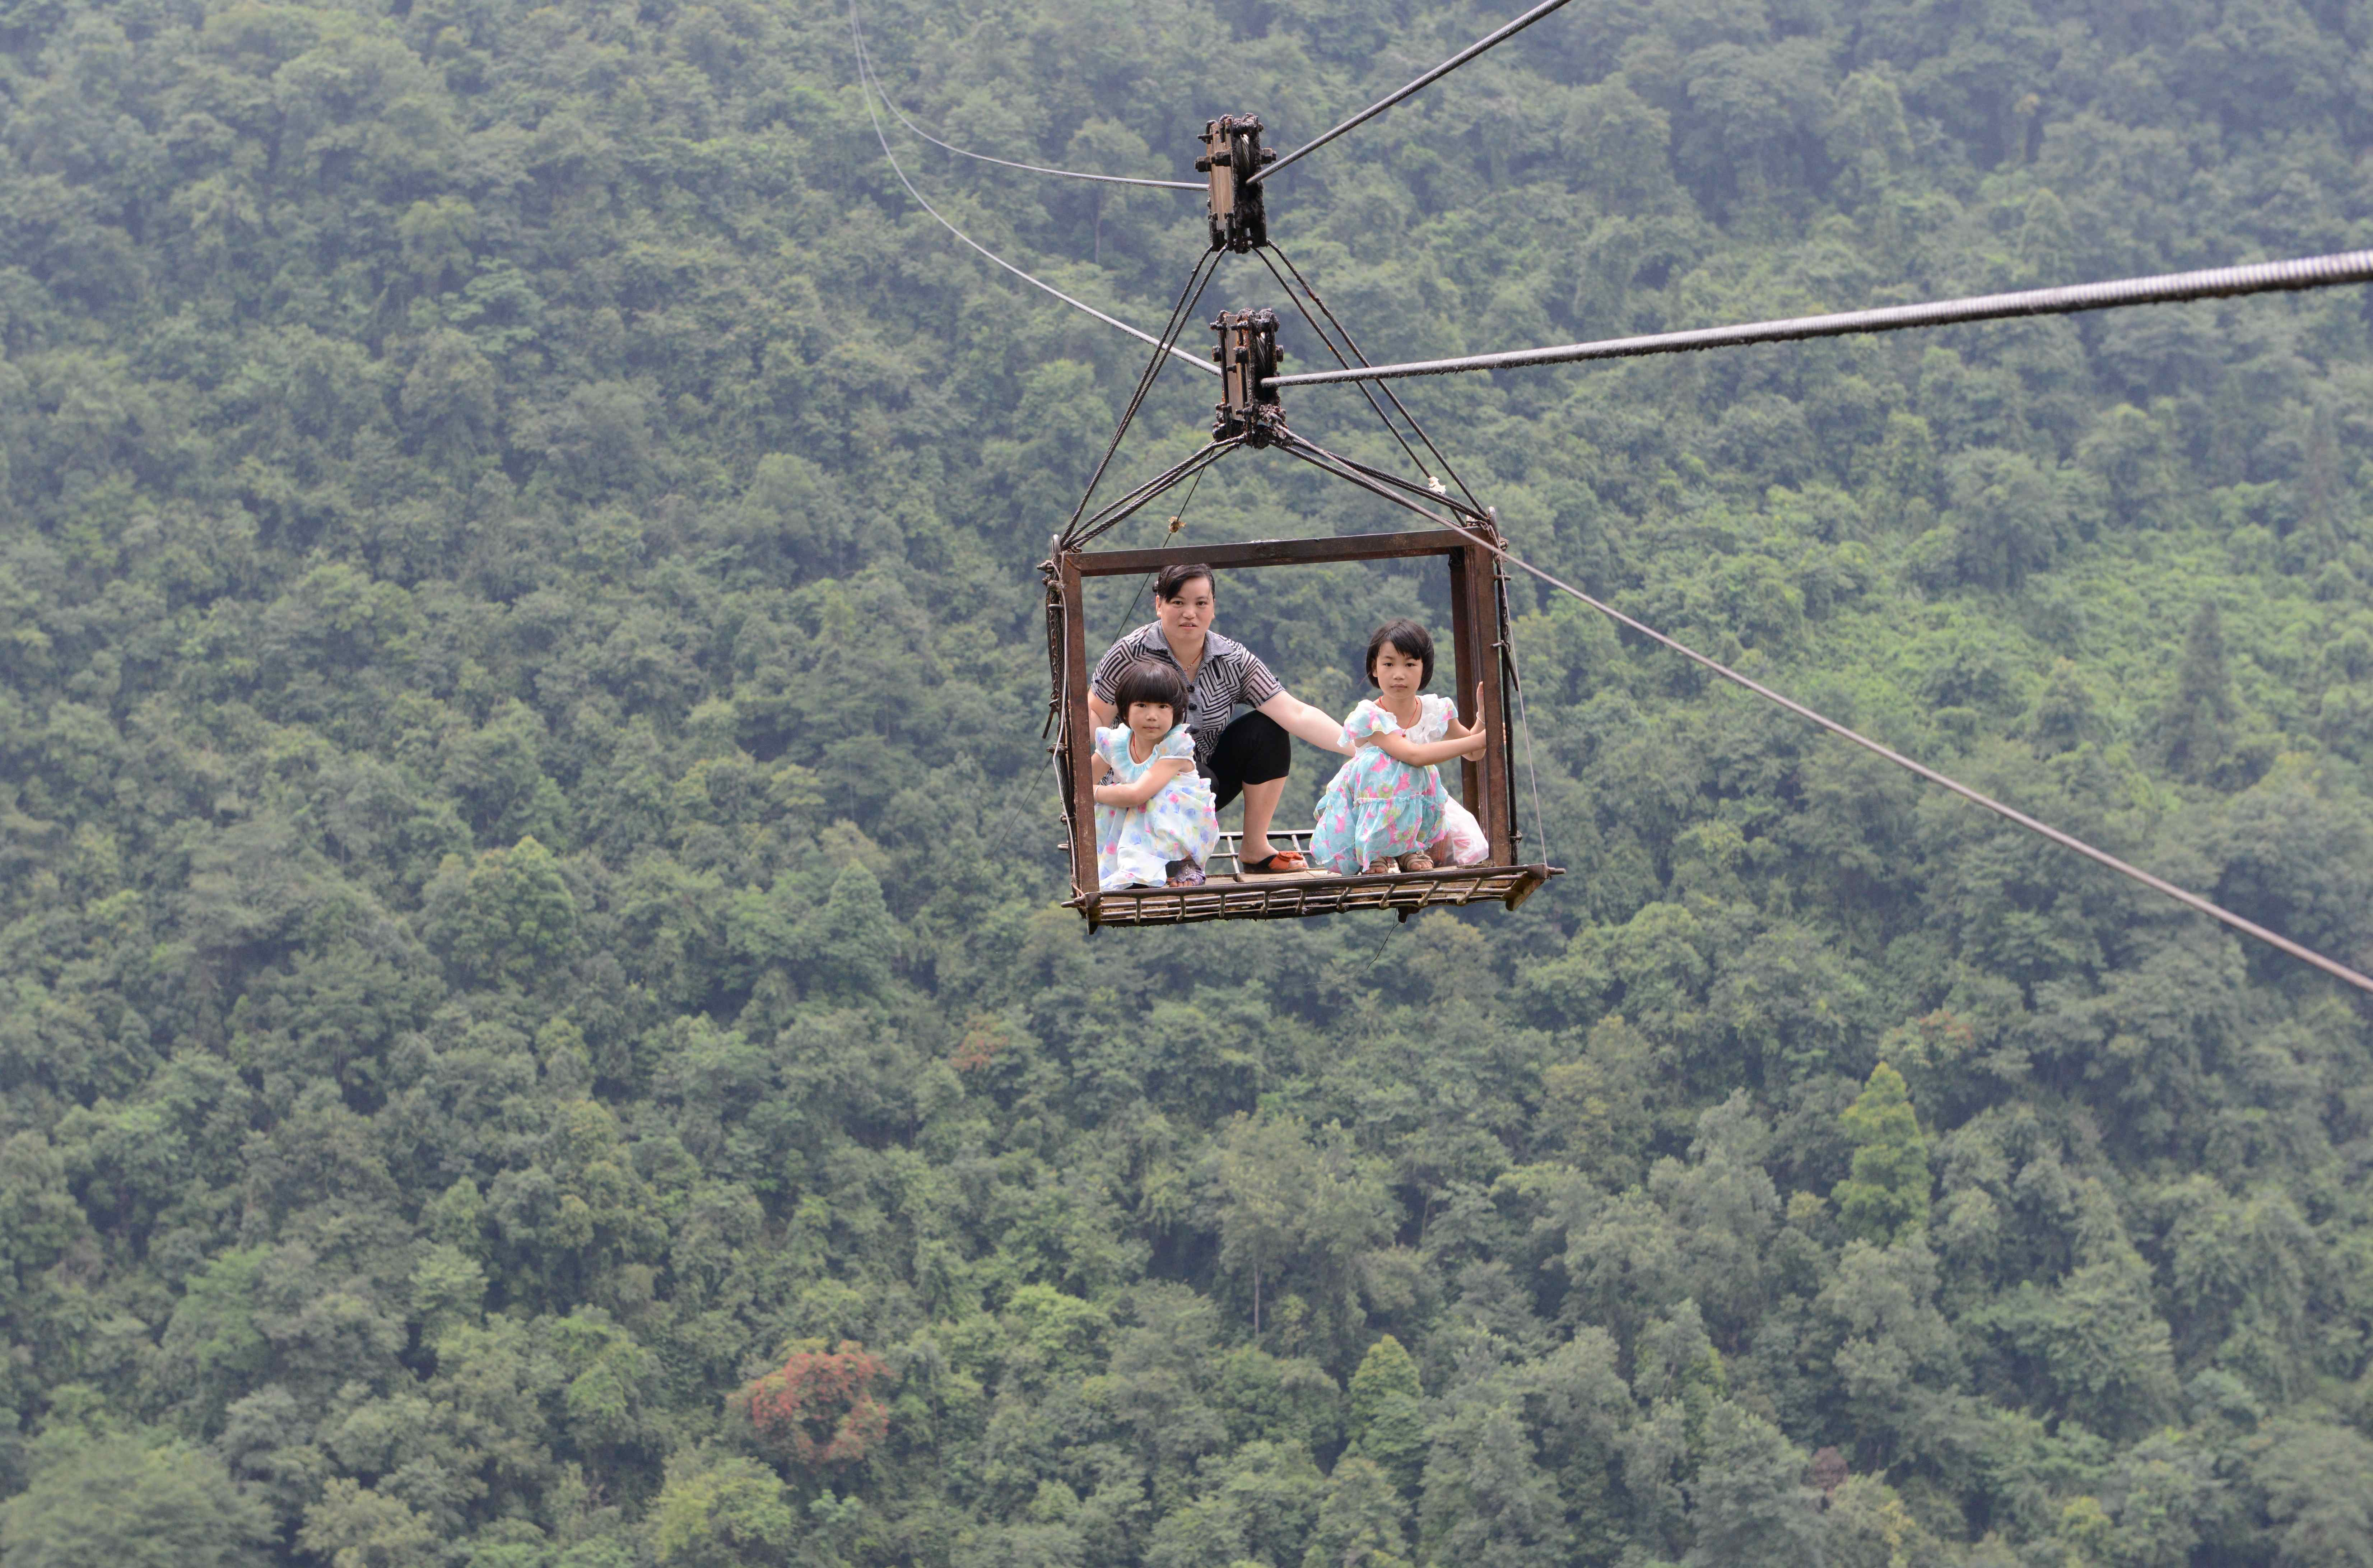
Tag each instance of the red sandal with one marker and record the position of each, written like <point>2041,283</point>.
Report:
<point>1279,863</point>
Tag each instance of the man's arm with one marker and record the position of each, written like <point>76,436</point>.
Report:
<point>1101,711</point>
<point>1299,718</point>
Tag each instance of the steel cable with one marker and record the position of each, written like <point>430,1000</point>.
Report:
<point>1390,429</point>
<point>867,86</point>
<point>2216,283</point>
<point>1321,458</point>
<point>900,115</point>
<point>1415,428</point>
<point>1488,41</point>
<point>1197,280</point>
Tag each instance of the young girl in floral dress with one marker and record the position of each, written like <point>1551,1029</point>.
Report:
<point>1387,808</point>
<point>1155,822</point>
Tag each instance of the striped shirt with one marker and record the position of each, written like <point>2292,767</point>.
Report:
<point>1230,674</point>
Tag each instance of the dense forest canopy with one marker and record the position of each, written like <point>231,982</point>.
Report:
<point>537,1032</point>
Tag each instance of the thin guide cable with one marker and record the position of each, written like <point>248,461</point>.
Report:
<point>890,104</point>
<point>2169,289</point>
<point>867,86</point>
<point>2193,901</point>
<point>1524,720</point>
<point>1489,40</point>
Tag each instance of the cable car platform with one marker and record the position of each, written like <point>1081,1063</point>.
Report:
<point>1229,895</point>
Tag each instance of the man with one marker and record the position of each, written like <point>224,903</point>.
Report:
<point>1249,755</point>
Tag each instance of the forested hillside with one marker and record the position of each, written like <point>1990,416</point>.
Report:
<point>537,1032</point>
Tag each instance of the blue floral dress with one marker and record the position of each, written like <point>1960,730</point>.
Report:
<point>1374,807</point>
<point>1135,845</point>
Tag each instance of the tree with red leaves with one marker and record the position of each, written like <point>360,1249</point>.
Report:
<point>820,1408</point>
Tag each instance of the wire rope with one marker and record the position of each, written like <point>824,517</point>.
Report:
<point>2169,289</point>
<point>1532,774</point>
<point>867,85</point>
<point>1177,522</point>
<point>1198,277</point>
<point>1129,506</point>
<point>1417,430</point>
<point>890,104</point>
<point>1321,458</point>
<point>1390,429</point>
<point>1489,40</point>
<point>1524,720</point>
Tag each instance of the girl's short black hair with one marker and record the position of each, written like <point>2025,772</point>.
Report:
<point>1149,680</point>
<point>1409,639</point>
<point>1172,581</point>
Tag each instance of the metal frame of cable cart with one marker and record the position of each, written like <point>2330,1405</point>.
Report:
<point>1478,632</point>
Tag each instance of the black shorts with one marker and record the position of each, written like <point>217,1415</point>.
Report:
<point>1252,750</point>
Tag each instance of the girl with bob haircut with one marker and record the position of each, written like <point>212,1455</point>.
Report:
<point>1155,822</point>
<point>1387,808</point>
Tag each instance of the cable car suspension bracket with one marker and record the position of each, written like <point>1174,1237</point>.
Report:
<point>1233,156</point>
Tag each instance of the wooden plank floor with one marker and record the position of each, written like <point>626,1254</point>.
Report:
<point>1228,897</point>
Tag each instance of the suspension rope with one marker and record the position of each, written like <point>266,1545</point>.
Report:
<point>1034,168</point>
<point>1390,429</point>
<point>2216,283</point>
<point>867,86</point>
<point>1488,41</point>
<point>1136,500</point>
<point>1177,522</point>
<point>1198,277</point>
<point>1523,721</point>
<point>1319,457</point>
<point>1406,492</point>
<point>1416,428</point>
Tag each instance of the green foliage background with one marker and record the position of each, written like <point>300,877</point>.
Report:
<point>526,863</point>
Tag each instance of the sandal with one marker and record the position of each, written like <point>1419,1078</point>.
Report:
<point>1184,874</point>
<point>1278,863</point>
<point>1381,866</point>
<point>1417,860</point>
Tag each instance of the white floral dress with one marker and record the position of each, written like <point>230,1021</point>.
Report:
<point>1135,845</point>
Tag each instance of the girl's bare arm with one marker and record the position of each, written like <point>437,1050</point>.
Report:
<point>1163,771</point>
<point>1400,748</point>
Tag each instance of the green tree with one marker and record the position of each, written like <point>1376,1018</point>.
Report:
<point>1887,1193</point>
<point>723,1512</point>
<point>1363,1521</point>
<point>1749,1504</point>
<point>133,1500</point>
<point>2197,725</point>
<point>1387,1412</point>
<point>508,916</point>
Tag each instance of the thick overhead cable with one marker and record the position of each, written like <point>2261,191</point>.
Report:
<point>1343,468</point>
<point>867,86</point>
<point>1488,41</point>
<point>2217,283</point>
<point>1032,167</point>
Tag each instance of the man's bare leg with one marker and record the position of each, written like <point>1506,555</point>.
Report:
<point>1260,804</point>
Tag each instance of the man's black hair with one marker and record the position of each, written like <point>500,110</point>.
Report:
<point>1150,680</point>
<point>1172,581</point>
<point>1409,639</point>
